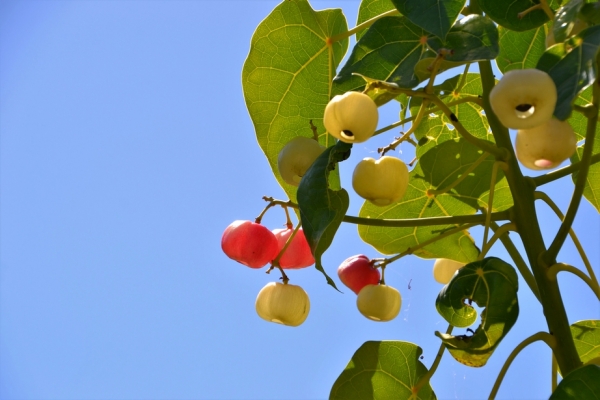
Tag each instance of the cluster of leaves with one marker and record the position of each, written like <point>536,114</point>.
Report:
<point>291,74</point>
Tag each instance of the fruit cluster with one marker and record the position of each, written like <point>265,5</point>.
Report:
<point>525,100</point>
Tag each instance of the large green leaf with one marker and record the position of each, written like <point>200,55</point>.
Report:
<point>591,190</point>
<point>571,69</point>
<point>321,208</point>
<point>506,13</point>
<point>520,50</point>
<point>472,38</point>
<point>564,20</point>
<point>586,335</point>
<point>371,8</point>
<point>435,16</point>
<point>382,370</point>
<point>581,384</point>
<point>287,75</point>
<point>492,284</point>
<point>388,51</point>
<point>590,13</point>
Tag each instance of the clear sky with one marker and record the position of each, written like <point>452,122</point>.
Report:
<point>126,149</point>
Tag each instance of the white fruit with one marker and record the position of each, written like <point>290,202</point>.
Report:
<point>296,157</point>
<point>545,146</point>
<point>524,98</point>
<point>379,302</point>
<point>381,182</point>
<point>351,117</point>
<point>283,303</point>
<point>444,269</point>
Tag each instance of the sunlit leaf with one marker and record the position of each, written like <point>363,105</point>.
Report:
<point>581,384</point>
<point>286,77</point>
<point>506,13</point>
<point>435,16</point>
<point>492,284</point>
<point>564,20</point>
<point>381,371</point>
<point>571,68</point>
<point>371,8</point>
<point>586,335</point>
<point>321,208</point>
<point>520,50</point>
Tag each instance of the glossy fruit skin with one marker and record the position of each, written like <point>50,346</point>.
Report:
<point>284,304</point>
<point>444,269</point>
<point>357,271</point>
<point>545,146</point>
<point>351,117</point>
<point>296,157</point>
<point>298,254</point>
<point>520,89</point>
<point>379,302</point>
<point>249,243</point>
<point>382,182</point>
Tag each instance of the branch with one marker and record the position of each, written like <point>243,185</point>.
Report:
<point>559,173</point>
<point>546,337</point>
<point>427,376</point>
<point>558,267</point>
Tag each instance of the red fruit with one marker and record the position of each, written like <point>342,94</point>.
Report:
<point>357,272</point>
<point>249,243</point>
<point>298,254</point>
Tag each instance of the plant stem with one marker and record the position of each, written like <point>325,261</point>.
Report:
<point>525,217</point>
<point>560,173</point>
<point>554,373</point>
<point>519,262</point>
<point>497,234</point>
<point>424,379</point>
<point>546,337</point>
<point>362,26</point>
<point>558,267</point>
<point>488,213</point>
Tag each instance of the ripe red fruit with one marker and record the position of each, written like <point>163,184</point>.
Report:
<point>249,243</point>
<point>298,254</point>
<point>357,272</point>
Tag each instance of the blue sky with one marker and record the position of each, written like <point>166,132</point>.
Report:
<point>125,151</point>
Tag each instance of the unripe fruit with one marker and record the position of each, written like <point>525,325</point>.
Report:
<point>296,157</point>
<point>249,243</point>
<point>351,117</point>
<point>381,182</point>
<point>545,146</point>
<point>524,98</point>
<point>298,254</point>
<point>444,269</point>
<point>357,271</point>
<point>283,304</point>
<point>379,302</point>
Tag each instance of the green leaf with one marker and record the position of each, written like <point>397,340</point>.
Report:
<point>571,69</point>
<point>581,384</point>
<point>520,50</point>
<point>472,38</point>
<point>322,209</point>
<point>382,370</point>
<point>591,191</point>
<point>286,78</point>
<point>369,9</point>
<point>590,13</point>
<point>505,13</point>
<point>492,284</point>
<point>564,20</point>
<point>435,16</point>
<point>586,335</point>
<point>380,55</point>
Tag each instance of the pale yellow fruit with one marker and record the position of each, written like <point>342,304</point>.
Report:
<point>381,182</point>
<point>351,117</point>
<point>444,269</point>
<point>545,146</point>
<point>379,302</point>
<point>283,303</point>
<point>524,98</point>
<point>296,157</point>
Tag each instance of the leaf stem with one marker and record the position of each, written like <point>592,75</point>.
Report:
<point>559,267</point>
<point>425,378</point>
<point>360,27</point>
<point>463,176</point>
<point>546,337</point>
<point>409,132</point>
<point>544,197</point>
<point>554,373</point>
<point>488,213</point>
<point>560,173</point>
<point>497,234</point>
